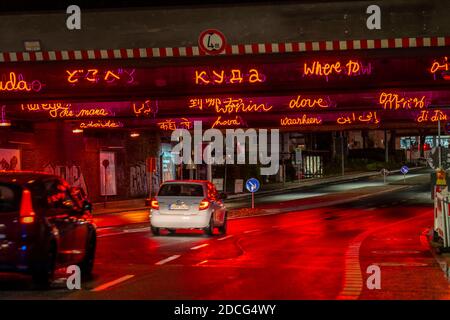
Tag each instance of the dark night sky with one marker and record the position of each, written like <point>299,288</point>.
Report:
<point>46,5</point>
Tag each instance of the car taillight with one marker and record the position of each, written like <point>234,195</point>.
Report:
<point>204,204</point>
<point>154,204</point>
<point>27,215</point>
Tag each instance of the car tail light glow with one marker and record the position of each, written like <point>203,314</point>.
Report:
<point>204,204</point>
<point>154,204</point>
<point>27,215</point>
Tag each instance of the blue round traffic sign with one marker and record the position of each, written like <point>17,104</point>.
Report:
<point>404,170</point>
<point>252,185</point>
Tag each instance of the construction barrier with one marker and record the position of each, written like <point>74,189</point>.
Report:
<point>441,217</point>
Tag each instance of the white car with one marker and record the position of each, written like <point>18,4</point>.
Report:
<point>188,204</point>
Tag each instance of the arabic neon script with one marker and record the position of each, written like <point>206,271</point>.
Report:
<point>234,122</point>
<point>355,117</point>
<point>394,101</point>
<point>16,82</point>
<point>229,105</point>
<point>146,108</point>
<point>300,120</point>
<point>94,75</point>
<point>319,102</point>
<point>101,124</point>
<point>233,76</point>
<point>349,68</point>
<point>431,116</point>
<point>63,110</point>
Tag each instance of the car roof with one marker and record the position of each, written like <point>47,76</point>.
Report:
<point>23,177</point>
<point>188,181</point>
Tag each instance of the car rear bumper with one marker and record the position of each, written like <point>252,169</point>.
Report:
<point>179,221</point>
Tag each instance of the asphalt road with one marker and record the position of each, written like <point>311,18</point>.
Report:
<point>320,253</point>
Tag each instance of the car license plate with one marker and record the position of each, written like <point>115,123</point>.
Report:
<point>175,206</point>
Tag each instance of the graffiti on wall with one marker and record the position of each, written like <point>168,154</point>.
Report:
<point>140,179</point>
<point>71,173</point>
<point>9,159</point>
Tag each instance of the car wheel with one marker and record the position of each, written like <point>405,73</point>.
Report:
<point>223,228</point>
<point>44,271</point>
<point>155,231</point>
<point>87,265</point>
<point>209,230</point>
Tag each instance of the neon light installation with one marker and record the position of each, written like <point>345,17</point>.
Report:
<point>101,124</point>
<point>170,125</point>
<point>319,102</point>
<point>229,105</point>
<point>435,116</point>
<point>355,117</point>
<point>237,121</point>
<point>16,83</point>
<point>441,67</point>
<point>389,100</point>
<point>233,76</point>
<point>349,68</point>
<point>146,108</point>
<point>94,75</point>
<point>63,110</point>
<point>300,120</point>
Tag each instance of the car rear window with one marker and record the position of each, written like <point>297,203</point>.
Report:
<point>179,189</point>
<point>9,198</point>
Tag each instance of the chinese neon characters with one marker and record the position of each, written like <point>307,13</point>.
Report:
<point>229,105</point>
<point>349,68</point>
<point>393,101</point>
<point>16,83</point>
<point>233,76</point>
<point>94,75</point>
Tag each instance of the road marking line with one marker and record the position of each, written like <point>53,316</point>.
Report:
<point>137,230</point>
<point>200,246</point>
<point>112,283</point>
<point>249,231</point>
<point>224,238</point>
<point>202,262</point>
<point>171,258</point>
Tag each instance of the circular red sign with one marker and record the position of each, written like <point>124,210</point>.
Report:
<point>212,41</point>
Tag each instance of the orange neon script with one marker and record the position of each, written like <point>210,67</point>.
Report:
<point>17,83</point>
<point>436,115</point>
<point>350,68</point>
<point>354,117</point>
<point>219,122</point>
<point>300,120</point>
<point>232,76</point>
<point>300,102</point>
<point>393,101</point>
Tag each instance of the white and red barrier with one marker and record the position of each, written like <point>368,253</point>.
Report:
<point>441,216</point>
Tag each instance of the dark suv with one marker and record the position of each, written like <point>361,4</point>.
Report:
<point>44,224</point>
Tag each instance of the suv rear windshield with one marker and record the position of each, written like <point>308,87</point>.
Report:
<point>9,198</point>
<point>179,189</point>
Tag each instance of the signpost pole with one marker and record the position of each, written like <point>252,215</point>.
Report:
<point>342,154</point>
<point>439,143</point>
<point>253,200</point>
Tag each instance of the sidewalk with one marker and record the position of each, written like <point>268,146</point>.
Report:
<point>139,204</point>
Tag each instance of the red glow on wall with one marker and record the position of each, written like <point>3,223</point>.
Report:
<point>233,76</point>
<point>16,82</point>
<point>358,117</point>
